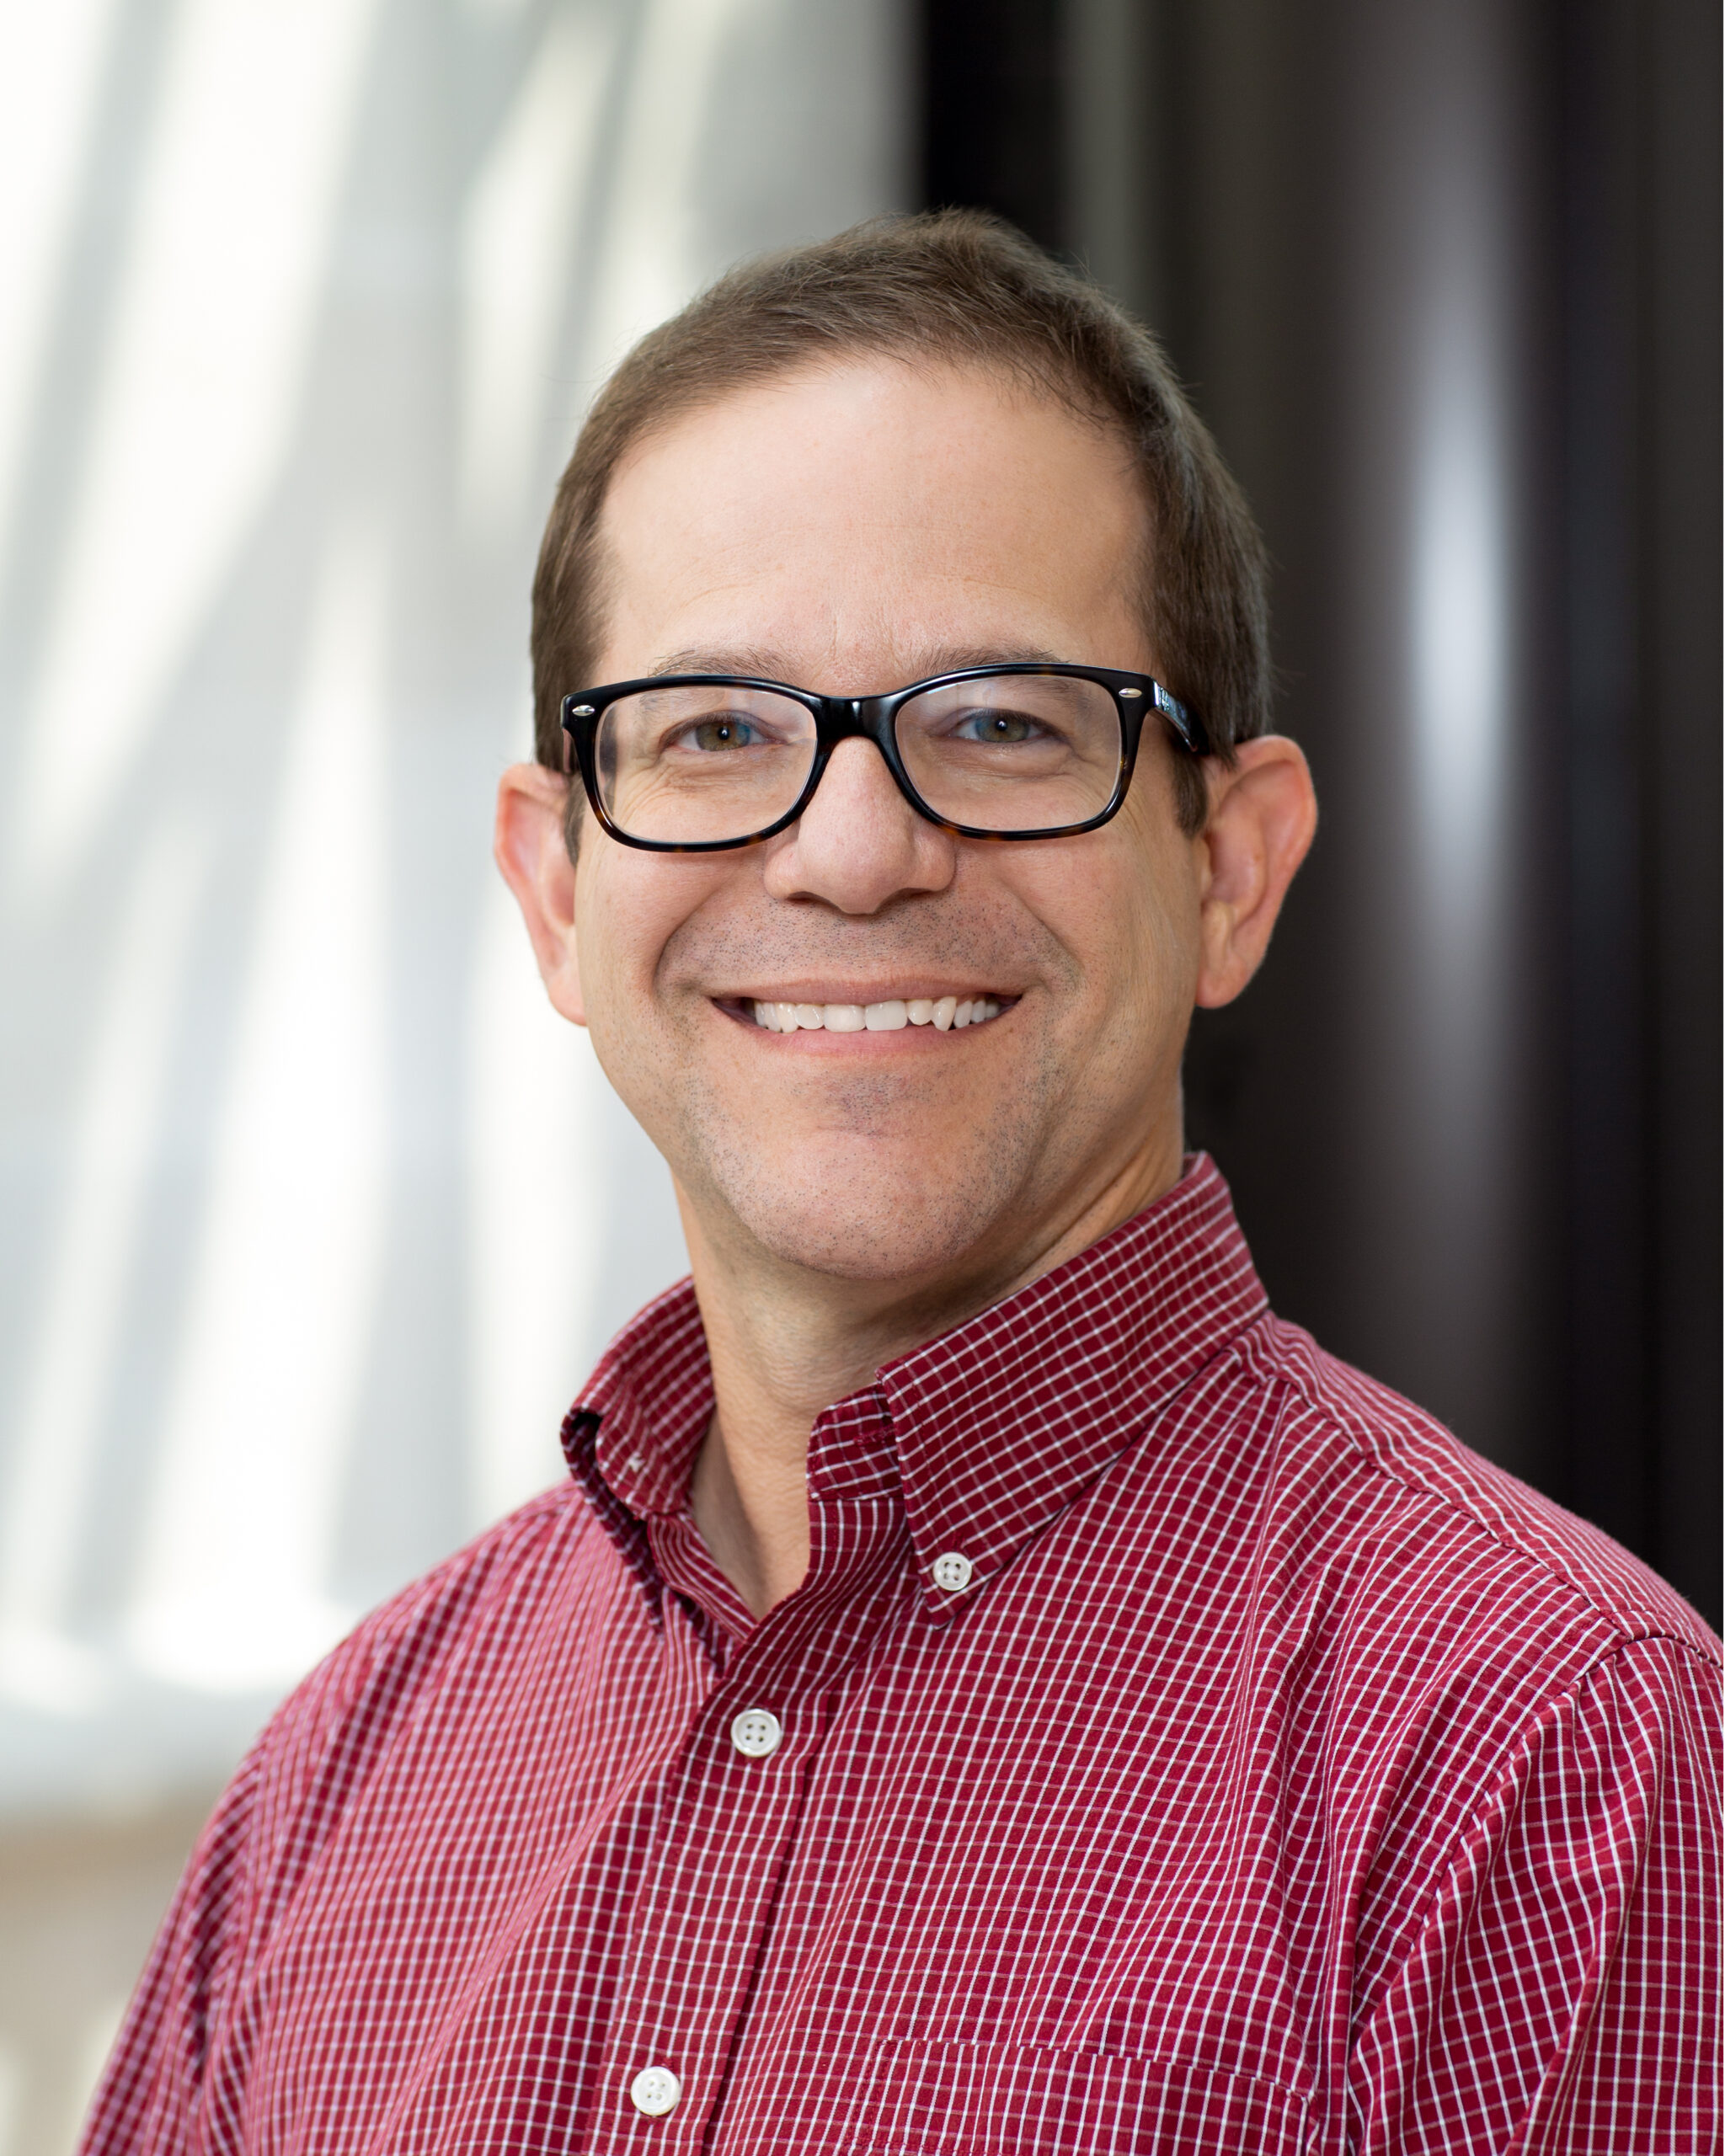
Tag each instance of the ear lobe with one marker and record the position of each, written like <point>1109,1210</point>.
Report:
<point>1262,816</point>
<point>528,844</point>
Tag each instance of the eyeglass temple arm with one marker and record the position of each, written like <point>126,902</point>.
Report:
<point>1186,722</point>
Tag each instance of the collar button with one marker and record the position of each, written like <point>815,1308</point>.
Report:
<point>952,1572</point>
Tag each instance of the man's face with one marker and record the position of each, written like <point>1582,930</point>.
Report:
<point>850,532</point>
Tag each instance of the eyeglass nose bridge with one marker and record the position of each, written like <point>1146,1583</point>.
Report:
<point>845,719</point>
<point>862,718</point>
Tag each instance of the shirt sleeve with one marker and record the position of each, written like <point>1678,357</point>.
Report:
<point>1560,1993</point>
<point>175,2081</point>
<point>155,2095</point>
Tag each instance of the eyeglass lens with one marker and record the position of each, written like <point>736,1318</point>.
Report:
<point>703,763</point>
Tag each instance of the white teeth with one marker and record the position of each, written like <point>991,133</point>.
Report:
<point>888,1016</point>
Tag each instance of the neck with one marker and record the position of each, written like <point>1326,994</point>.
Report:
<point>786,1342</point>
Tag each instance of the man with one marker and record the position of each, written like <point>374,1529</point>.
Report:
<point>988,1686</point>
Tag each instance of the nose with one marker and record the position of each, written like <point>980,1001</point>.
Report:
<point>859,844</point>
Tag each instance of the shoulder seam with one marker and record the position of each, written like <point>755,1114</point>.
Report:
<point>380,1627</point>
<point>1621,1632</point>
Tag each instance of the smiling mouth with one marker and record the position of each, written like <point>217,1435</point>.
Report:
<point>945,1013</point>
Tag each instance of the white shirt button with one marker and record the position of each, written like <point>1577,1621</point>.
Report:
<point>952,1573</point>
<point>755,1732</point>
<point>654,2091</point>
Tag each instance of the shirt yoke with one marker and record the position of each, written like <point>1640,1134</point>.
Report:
<point>1557,1555</point>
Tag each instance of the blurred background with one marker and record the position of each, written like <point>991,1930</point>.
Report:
<point>313,1217</point>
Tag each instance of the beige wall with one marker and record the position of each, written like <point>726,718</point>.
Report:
<point>79,1904</point>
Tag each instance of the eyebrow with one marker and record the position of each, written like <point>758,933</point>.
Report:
<point>771,665</point>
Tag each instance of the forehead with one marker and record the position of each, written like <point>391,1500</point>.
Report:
<point>875,511</point>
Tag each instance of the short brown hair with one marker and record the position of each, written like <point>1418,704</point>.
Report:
<point>963,288</point>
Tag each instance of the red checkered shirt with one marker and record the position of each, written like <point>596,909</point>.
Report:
<point>1260,1771</point>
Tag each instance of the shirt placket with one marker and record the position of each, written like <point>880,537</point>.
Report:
<point>727,1826</point>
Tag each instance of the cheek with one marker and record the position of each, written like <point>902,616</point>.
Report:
<point>1124,905</point>
<point>629,907</point>
<point>1163,871</point>
<point>614,931</point>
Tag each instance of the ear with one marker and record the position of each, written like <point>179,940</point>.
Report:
<point>1262,813</point>
<point>528,846</point>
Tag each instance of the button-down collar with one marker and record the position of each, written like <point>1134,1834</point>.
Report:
<point>999,1424</point>
<point>993,1429</point>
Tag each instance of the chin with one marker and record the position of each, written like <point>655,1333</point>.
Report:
<point>868,1225</point>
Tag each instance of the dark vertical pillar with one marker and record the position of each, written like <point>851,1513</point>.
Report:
<point>1447,933</point>
<point>1680,684</point>
<point>993,111</point>
<point>1611,1467</point>
<point>1640,558</point>
<point>1354,283</point>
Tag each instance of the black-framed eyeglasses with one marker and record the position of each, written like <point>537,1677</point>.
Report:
<point>692,763</point>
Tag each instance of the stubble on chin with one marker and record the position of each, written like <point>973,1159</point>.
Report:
<point>877,1182</point>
